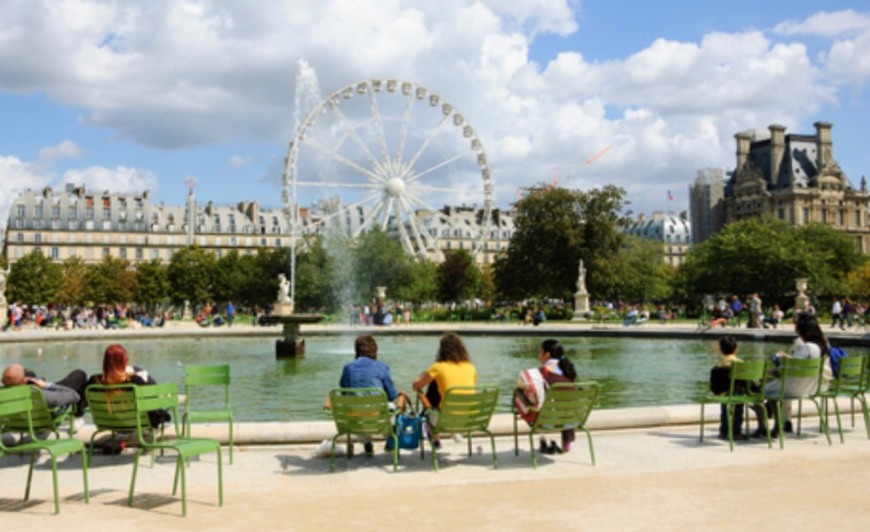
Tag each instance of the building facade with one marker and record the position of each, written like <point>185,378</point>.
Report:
<point>673,232</point>
<point>94,225</point>
<point>707,203</point>
<point>795,178</point>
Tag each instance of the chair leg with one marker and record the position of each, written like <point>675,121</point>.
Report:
<point>779,423</point>
<point>701,437</point>
<point>220,478</point>
<point>494,454</point>
<point>837,413</point>
<point>516,437</point>
<point>591,449</point>
<point>30,474</point>
<point>85,474</point>
<point>133,478</point>
<point>729,418</point>
<point>54,482</point>
<point>532,448</point>
<point>180,467</point>
<point>231,442</point>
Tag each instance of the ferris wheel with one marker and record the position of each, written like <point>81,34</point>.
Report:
<point>386,153</point>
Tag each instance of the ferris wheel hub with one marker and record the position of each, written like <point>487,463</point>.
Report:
<point>395,187</point>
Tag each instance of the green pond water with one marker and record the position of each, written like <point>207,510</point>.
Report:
<point>633,372</point>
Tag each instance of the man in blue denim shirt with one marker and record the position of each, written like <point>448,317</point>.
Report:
<point>366,371</point>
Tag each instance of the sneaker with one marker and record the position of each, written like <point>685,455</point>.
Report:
<point>555,449</point>
<point>787,427</point>
<point>77,424</point>
<point>369,449</point>
<point>544,448</point>
<point>437,443</point>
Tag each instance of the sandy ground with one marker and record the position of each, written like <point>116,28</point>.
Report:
<point>661,478</point>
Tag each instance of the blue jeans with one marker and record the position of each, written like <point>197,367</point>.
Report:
<point>723,420</point>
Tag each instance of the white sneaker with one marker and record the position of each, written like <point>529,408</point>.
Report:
<point>458,438</point>
<point>77,424</point>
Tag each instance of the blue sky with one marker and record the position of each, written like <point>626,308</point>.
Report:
<point>133,96</point>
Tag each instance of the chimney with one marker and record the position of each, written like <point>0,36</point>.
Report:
<point>743,141</point>
<point>777,150</point>
<point>824,145</point>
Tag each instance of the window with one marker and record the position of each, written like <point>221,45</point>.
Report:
<point>107,213</point>
<point>37,211</point>
<point>105,252</point>
<point>19,211</point>
<point>20,237</point>
<point>37,238</point>
<point>55,253</point>
<point>263,242</point>
<point>55,211</point>
<point>73,213</point>
<point>123,253</point>
<point>139,254</point>
<point>155,253</point>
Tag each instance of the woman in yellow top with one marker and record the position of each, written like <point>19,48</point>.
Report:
<point>452,367</point>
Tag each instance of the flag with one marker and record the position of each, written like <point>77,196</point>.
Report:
<point>670,196</point>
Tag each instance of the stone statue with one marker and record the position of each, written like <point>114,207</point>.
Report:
<point>3,275</point>
<point>581,279</point>
<point>283,289</point>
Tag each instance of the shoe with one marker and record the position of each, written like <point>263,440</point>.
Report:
<point>554,449</point>
<point>77,424</point>
<point>437,443</point>
<point>544,448</point>
<point>369,449</point>
<point>458,438</point>
<point>758,433</point>
<point>787,427</point>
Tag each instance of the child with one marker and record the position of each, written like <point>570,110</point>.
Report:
<point>720,383</point>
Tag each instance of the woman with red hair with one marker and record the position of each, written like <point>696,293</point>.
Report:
<point>117,370</point>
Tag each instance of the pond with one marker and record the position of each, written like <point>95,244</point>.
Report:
<point>633,371</point>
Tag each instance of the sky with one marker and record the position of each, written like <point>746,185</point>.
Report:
<point>132,96</point>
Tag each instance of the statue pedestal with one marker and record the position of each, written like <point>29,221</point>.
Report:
<point>283,309</point>
<point>581,306</point>
<point>4,312</point>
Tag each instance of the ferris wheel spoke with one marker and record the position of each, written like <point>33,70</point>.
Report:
<point>403,135</point>
<point>426,188</point>
<point>422,244</point>
<point>370,219</point>
<point>385,222</point>
<point>369,186</point>
<point>348,208</point>
<point>351,131</point>
<point>379,126</point>
<point>425,144</point>
<point>345,161</point>
<point>414,177</point>
<point>403,231</point>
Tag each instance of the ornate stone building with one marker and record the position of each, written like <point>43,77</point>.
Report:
<point>795,178</point>
<point>673,232</point>
<point>93,225</point>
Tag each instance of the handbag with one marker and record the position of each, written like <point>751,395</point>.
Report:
<point>409,430</point>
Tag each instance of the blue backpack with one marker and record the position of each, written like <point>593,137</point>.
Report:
<point>409,430</point>
<point>837,353</point>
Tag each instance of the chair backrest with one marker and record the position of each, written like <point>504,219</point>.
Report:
<point>155,397</point>
<point>851,373</point>
<point>14,402</point>
<point>801,368</point>
<point>751,370</point>
<point>206,376</point>
<point>467,408</point>
<point>41,417</point>
<point>360,411</point>
<point>568,404</point>
<point>113,408</point>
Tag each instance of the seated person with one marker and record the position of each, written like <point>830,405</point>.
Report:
<point>116,370</point>
<point>59,396</point>
<point>366,371</point>
<point>719,318</point>
<point>631,317</point>
<point>452,367</point>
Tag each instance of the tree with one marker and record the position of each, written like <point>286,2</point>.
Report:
<point>73,289</point>
<point>191,274</point>
<point>640,271</point>
<point>34,279</point>
<point>380,261</point>
<point>111,281</point>
<point>152,284</point>
<point>458,276</point>
<point>314,275</point>
<point>423,285</point>
<point>554,229</point>
<point>231,277</point>
<point>766,256</point>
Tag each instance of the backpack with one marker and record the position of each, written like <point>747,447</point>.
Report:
<point>837,353</point>
<point>409,430</point>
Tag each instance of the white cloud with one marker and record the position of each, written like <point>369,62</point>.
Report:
<point>65,150</point>
<point>240,160</point>
<point>17,175</point>
<point>119,179</point>
<point>826,24</point>
<point>176,75</point>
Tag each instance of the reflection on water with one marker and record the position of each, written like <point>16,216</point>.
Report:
<point>633,372</point>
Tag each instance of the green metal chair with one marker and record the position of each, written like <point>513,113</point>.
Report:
<point>361,412</point>
<point>463,410</point>
<point>43,418</point>
<point>202,404</point>
<point>113,410</point>
<point>803,368</point>
<point>743,372</point>
<point>17,401</point>
<point>566,405</point>
<point>850,382</point>
<point>165,397</point>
